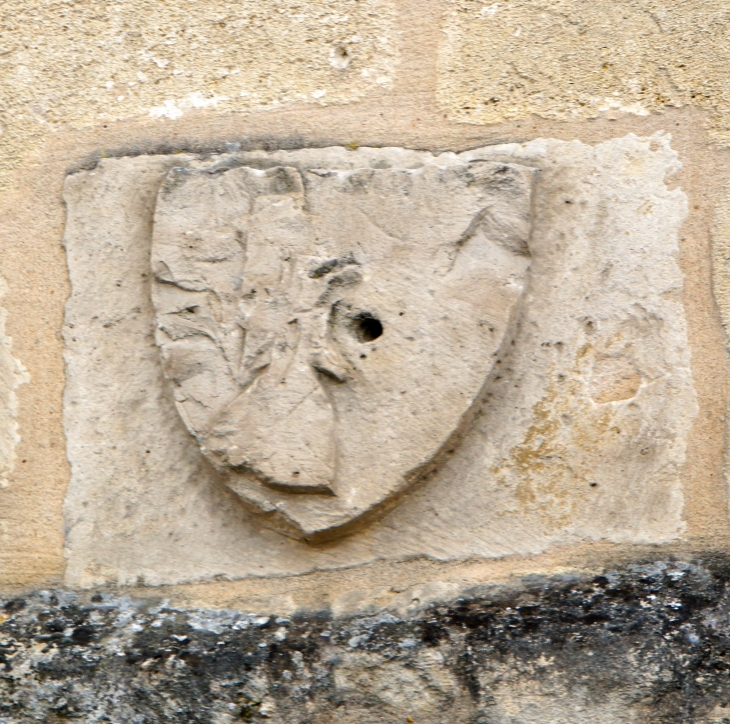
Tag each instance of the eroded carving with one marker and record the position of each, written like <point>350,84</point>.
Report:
<point>328,331</point>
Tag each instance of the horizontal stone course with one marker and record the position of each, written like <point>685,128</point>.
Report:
<point>646,642</point>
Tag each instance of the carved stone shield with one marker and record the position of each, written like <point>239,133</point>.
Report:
<point>327,330</point>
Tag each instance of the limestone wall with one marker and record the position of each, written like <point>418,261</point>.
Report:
<point>587,433</point>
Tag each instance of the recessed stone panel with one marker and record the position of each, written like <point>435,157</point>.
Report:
<point>294,360</point>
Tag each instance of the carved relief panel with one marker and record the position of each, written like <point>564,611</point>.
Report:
<point>327,332</point>
<point>290,360</point>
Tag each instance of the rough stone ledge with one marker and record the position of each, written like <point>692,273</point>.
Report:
<point>647,643</point>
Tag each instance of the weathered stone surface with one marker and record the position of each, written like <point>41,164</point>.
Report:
<point>568,60</point>
<point>581,433</point>
<point>12,375</point>
<point>167,60</point>
<point>647,643</point>
<point>597,437</point>
<point>327,332</point>
<point>721,287</point>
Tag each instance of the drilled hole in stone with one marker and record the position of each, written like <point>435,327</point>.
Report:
<point>368,328</point>
<point>339,58</point>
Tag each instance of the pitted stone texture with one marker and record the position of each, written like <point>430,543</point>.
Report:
<point>581,434</point>
<point>567,59</point>
<point>327,332</point>
<point>168,60</point>
<point>12,375</point>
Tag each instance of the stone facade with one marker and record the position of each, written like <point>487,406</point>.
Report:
<point>364,361</point>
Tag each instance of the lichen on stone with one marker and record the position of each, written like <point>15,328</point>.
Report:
<point>642,643</point>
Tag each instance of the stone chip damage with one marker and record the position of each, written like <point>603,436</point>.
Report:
<point>646,643</point>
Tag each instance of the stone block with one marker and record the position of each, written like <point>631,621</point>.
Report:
<point>570,60</point>
<point>548,399</point>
